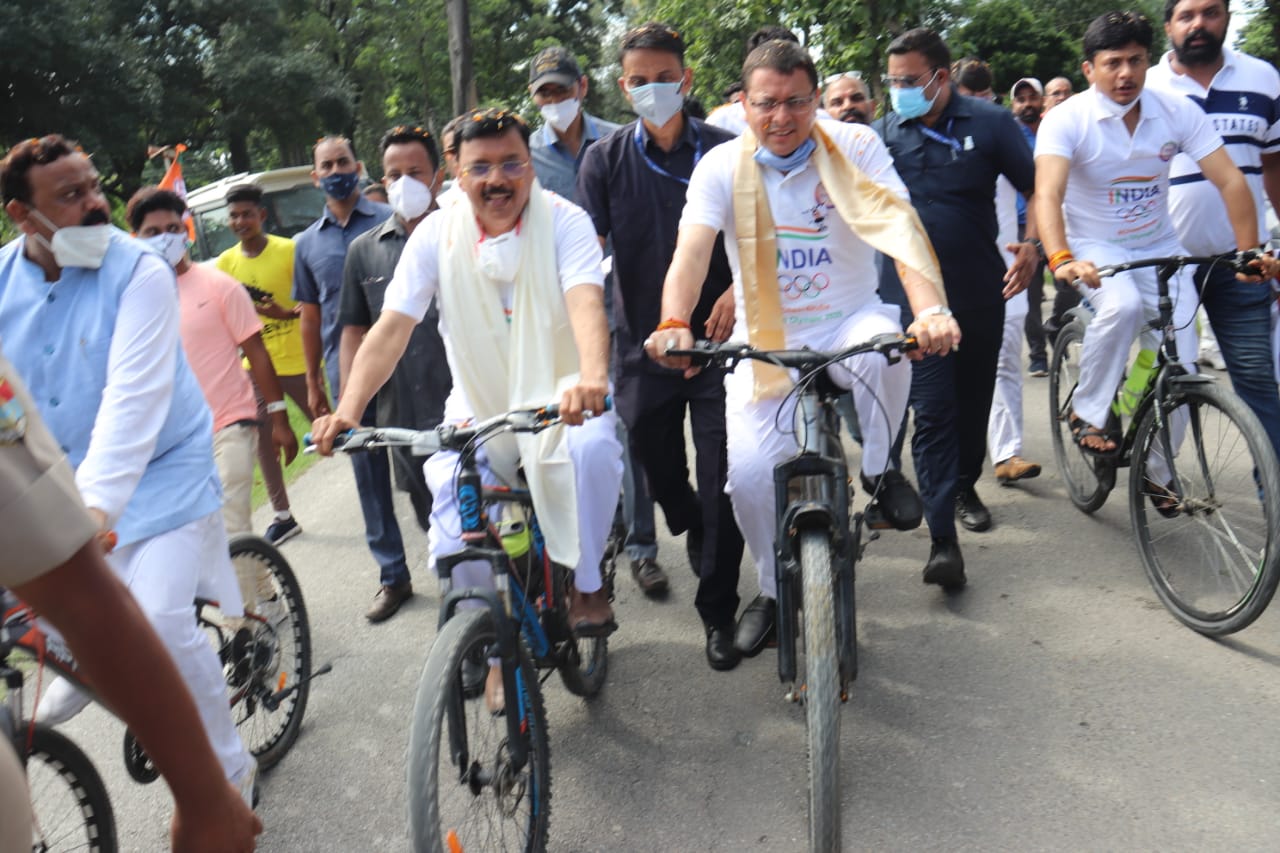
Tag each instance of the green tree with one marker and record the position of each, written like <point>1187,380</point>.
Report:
<point>1015,42</point>
<point>1261,36</point>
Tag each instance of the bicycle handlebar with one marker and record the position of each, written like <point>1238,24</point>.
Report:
<point>1238,261</point>
<point>446,436</point>
<point>730,353</point>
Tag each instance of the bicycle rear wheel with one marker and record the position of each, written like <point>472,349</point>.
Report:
<point>464,792</point>
<point>1212,549</point>
<point>266,653</point>
<point>1088,479</point>
<point>69,804</point>
<point>822,690</point>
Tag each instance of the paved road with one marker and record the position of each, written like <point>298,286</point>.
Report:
<point>1054,705</point>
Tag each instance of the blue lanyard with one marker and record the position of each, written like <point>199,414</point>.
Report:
<point>947,139</point>
<point>697,153</point>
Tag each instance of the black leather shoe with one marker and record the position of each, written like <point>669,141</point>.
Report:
<point>971,512</point>
<point>693,545</point>
<point>897,499</point>
<point>946,565</point>
<point>650,577</point>
<point>755,626</point>
<point>721,653</point>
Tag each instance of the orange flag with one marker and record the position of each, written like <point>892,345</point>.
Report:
<point>174,182</point>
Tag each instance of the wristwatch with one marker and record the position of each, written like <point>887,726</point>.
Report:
<point>277,406</point>
<point>939,309</point>
<point>1039,246</point>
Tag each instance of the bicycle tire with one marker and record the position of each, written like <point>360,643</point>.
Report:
<point>70,806</point>
<point>1213,558</point>
<point>1089,480</point>
<point>277,656</point>
<point>586,659</point>
<point>822,690</point>
<point>478,815</point>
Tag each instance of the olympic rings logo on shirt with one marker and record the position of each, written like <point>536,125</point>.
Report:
<point>1132,213</point>
<point>803,286</point>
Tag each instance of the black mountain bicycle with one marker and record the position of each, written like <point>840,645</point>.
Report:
<point>1203,477</point>
<point>818,544</point>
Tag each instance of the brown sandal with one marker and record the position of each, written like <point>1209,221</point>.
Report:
<point>1163,498</point>
<point>1082,430</point>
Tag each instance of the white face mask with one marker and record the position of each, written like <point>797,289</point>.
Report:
<point>76,245</point>
<point>657,102</point>
<point>172,247</point>
<point>561,115</point>
<point>500,256</point>
<point>409,197</point>
<point>1111,108</point>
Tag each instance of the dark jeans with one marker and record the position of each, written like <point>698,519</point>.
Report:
<point>1033,326</point>
<point>951,399</point>
<point>381,530</point>
<point>1240,313</point>
<point>657,443</point>
<point>410,479</point>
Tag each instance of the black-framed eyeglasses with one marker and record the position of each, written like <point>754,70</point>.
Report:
<point>902,81</point>
<point>791,105</point>
<point>510,169</point>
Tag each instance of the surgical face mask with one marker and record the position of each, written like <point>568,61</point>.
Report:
<point>409,197</point>
<point>500,256</point>
<point>657,102</point>
<point>1111,108</point>
<point>562,114</point>
<point>340,185</point>
<point>172,247</point>
<point>910,102</point>
<point>791,161</point>
<point>76,245</point>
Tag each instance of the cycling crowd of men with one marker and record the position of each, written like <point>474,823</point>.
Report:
<point>562,264</point>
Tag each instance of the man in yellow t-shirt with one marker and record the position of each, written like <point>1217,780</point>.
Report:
<point>264,263</point>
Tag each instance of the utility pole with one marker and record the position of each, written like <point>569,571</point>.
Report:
<point>460,69</point>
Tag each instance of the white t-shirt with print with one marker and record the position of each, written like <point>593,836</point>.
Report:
<point>1118,188</point>
<point>417,277</point>
<point>1243,105</point>
<point>825,272</point>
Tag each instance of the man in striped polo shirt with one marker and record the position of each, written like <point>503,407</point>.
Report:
<point>1240,95</point>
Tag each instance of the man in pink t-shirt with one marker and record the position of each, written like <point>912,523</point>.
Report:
<point>218,322</point>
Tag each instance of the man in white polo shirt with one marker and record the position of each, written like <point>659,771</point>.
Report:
<point>803,261</point>
<point>1102,191</point>
<point>1241,96</point>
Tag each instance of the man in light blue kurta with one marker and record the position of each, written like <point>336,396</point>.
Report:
<point>90,317</point>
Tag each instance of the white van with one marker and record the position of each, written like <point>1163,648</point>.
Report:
<point>293,202</point>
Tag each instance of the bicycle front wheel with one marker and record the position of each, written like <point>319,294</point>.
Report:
<point>1088,479</point>
<point>464,791</point>
<point>69,804</point>
<point>822,690</point>
<point>1207,522</point>
<point>266,655</point>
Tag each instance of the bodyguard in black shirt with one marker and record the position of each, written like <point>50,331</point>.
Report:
<point>948,150</point>
<point>632,183</point>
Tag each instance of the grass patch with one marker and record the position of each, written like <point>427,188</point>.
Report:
<point>300,426</point>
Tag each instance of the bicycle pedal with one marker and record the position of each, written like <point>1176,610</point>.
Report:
<point>875,519</point>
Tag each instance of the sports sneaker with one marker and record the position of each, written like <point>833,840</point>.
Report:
<point>282,530</point>
<point>1039,367</point>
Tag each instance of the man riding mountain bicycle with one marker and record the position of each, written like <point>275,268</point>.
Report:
<point>516,272</point>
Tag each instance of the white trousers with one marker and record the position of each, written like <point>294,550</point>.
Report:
<point>235,451</point>
<point>1123,304</point>
<point>1004,427</point>
<point>760,434</point>
<point>597,465</point>
<point>165,574</point>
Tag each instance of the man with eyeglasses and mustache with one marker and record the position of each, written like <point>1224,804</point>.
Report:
<point>515,272</point>
<point>1240,94</point>
<point>90,318</point>
<point>804,206</point>
<point>949,151</point>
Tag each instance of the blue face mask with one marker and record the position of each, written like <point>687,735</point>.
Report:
<point>340,185</point>
<point>910,102</point>
<point>785,164</point>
